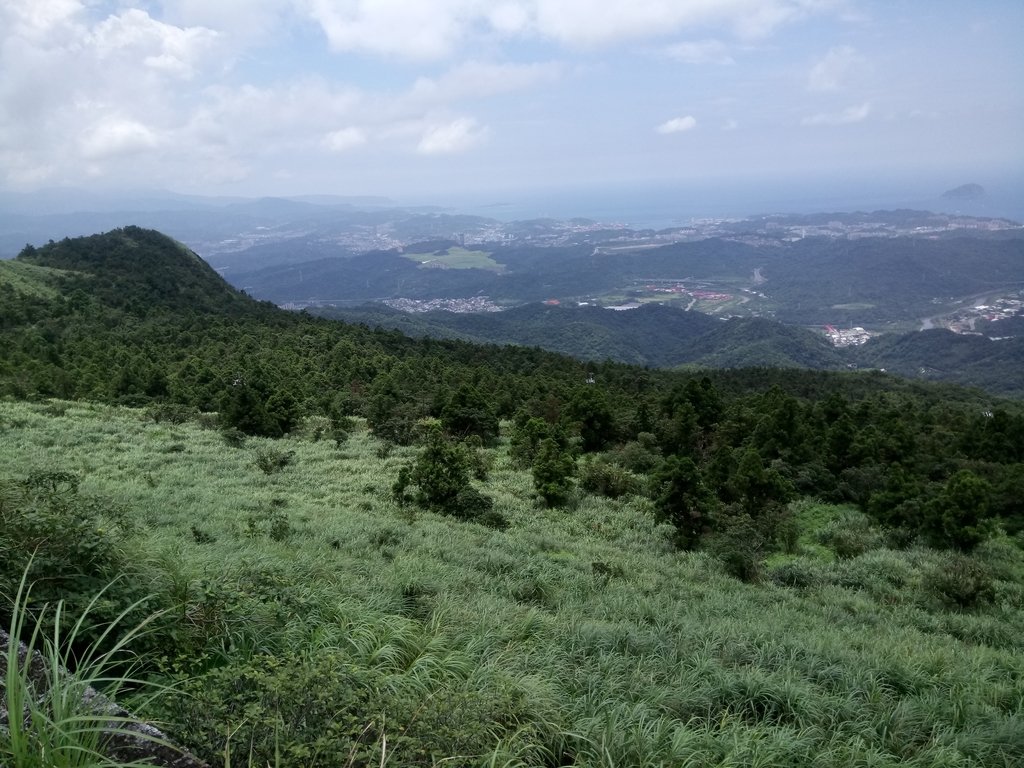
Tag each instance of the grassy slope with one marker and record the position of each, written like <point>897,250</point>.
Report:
<point>654,658</point>
<point>30,279</point>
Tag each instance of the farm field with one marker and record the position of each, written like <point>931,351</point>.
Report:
<point>457,258</point>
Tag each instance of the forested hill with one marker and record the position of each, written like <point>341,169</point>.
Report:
<point>132,317</point>
<point>341,527</point>
<point>652,335</point>
<point>141,272</point>
<point>666,337</point>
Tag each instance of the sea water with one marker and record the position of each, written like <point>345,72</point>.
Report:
<point>674,204</point>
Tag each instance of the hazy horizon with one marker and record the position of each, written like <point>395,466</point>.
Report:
<point>466,100</point>
<point>656,204</point>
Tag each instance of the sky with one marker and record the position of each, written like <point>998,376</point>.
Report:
<point>421,98</point>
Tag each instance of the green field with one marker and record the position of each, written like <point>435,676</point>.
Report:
<point>457,258</point>
<point>854,305</point>
<point>313,621</point>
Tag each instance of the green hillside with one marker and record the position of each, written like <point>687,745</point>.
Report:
<point>651,335</point>
<point>368,549</point>
<point>938,354</point>
<point>664,336</point>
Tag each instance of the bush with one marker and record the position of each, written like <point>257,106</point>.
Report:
<point>233,437</point>
<point>439,480</point>
<point>171,413</point>
<point>798,574</point>
<point>68,544</point>
<point>273,522</point>
<point>316,427</point>
<point>469,413</point>
<point>553,469</point>
<point>739,544</point>
<point>271,460</point>
<point>641,455</point>
<point>322,711</point>
<point>851,535</point>
<point>682,498</point>
<point>1003,558</point>
<point>959,581</point>
<point>525,439</point>
<point>603,478</point>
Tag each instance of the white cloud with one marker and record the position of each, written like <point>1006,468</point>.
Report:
<point>114,136</point>
<point>434,29</point>
<point>474,79</point>
<point>828,73</point>
<point>579,22</point>
<point>677,125</point>
<point>701,52</point>
<point>509,18</point>
<point>37,21</point>
<point>345,139</point>
<point>135,36</point>
<point>455,136</point>
<point>240,22</point>
<point>730,125</point>
<point>854,114</point>
<point>80,91</point>
<point>416,29</point>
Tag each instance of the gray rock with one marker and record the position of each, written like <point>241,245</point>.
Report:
<point>127,739</point>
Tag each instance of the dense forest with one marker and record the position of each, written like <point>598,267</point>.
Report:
<point>720,482</point>
<point>663,336</point>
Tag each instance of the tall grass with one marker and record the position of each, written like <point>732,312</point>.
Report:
<point>574,637</point>
<point>58,704</point>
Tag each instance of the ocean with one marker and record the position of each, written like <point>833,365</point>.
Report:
<point>671,204</point>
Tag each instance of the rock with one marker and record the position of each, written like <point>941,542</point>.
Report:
<point>127,739</point>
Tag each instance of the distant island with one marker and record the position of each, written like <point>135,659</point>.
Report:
<point>965,192</point>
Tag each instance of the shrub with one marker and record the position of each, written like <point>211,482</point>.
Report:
<point>439,480</point>
<point>683,499</point>
<point>316,427</point>
<point>851,535</point>
<point>799,574</point>
<point>959,515</point>
<point>641,455</point>
<point>69,544</point>
<point>273,522</point>
<point>525,439</point>
<point>233,437</point>
<point>553,469</point>
<point>959,581</point>
<point>469,413</point>
<point>1003,558</point>
<point>323,711</point>
<point>739,544</point>
<point>171,413</point>
<point>787,531</point>
<point>202,537</point>
<point>271,460</point>
<point>606,479</point>
<point>479,459</point>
